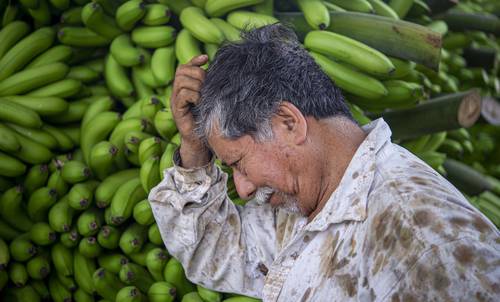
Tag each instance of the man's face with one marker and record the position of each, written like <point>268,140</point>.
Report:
<point>261,170</point>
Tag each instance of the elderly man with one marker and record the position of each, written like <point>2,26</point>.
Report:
<point>336,212</point>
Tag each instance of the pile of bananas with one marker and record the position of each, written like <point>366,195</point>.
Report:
<point>86,130</point>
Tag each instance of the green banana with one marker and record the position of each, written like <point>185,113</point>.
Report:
<point>57,183</point>
<point>153,36</point>
<point>7,232</point>
<point>101,104</point>
<point>401,7</point>
<point>106,190</point>
<point>176,5</point>
<point>102,156</point>
<point>60,4</point>
<point>89,222</point>
<point>106,283</point>
<point>37,135</point>
<point>68,282</point>
<point>166,160</point>
<point>194,19</point>
<point>84,269</point>
<point>94,17</point>
<point>22,249</point>
<point>70,239</point>
<point>451,147</point>
<point>112,262</point>
<point>230,32</point>
<point>142,90</point>
<point>332,7</point>
<point>156,260</point>
<point>350,51</point>
<point>216,8</point>
<point>211,50</point>
<point>73,132</point>
<point>241,299</point>
<point>97,129</point>
<point>129,294</point>
<point>134,111</point>
<point>12,210</point>
<point>89,247</point>
<point>143,214</point>
<point>162,292</point>
<point>81,37</point>
<point>144,72</point>
<point>43,106</point>
<point>72,16</point>
<point>133,238</point>
<point>75,171</point>
<point>27,80</point>
<point>245,19</point>
<point>133,140</point>
<point>150,173</point>
<point>164,123</point>
<point>315,12</point>
<point>156,14</point>
<point>154,235</point>
<point>81,195</point>
<point>383,9</point>
<point>32,152</point>
<point>129,13</point>
<point>19,114</point>
<point>361,6</point>
<point>10,14</point>
<point>350,80</point>
<point>8,140</point>
<point>433,159</point>
<point>109,7</point>
<point>402,93</point>
<point>64,142</point>
<point>11,167</point>
<point>149,147</point>
<point>118,134</point>
<point>75,112</point>
<point>83,74</point>
<point>174,274</point>
<point>11,34</point>
<point>62,259</point>
<point>38,267</point>
<point>42,234</point>
<point>116,78</point>
<point>125,53</point>
<point>18,274</point>
<point>41,15</point>
<point>4,255</point>
<point>176,139</point>
<point>58,292</point>
<point>40,202</point>
<point>25,50</point>
<point>61,215</point>
<point>41,288</point>
<point>124,200</point>
<point>136,275</point>
<point>192,297</point>
<point>58,53</point>
<point>63,89</point>
<point>30,4</point>
<point>109,237</point>
<point>163,65</point>
<point>435,141</point>
<point>186,47</point>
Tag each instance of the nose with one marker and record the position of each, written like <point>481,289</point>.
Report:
<point>244,187</point>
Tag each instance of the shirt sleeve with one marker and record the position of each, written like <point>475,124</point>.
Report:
<point>220,245</point>
<point>461,270</point>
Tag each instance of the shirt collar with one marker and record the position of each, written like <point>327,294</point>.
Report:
<point>348,201</point>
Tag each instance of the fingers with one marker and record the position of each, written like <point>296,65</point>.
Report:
<point>185,82</point>
<point>198,60</point>
<point>191,71</point>
<point>183,99</point>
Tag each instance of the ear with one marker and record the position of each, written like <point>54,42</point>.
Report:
<point>290,122</point>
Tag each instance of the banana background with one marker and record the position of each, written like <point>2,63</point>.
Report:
<point>86,128</point>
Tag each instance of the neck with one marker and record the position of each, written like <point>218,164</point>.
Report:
<point>339,138</point>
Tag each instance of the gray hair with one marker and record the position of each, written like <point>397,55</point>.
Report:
<point>248,79</point>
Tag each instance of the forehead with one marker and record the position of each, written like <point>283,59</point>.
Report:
<point>227,149</point>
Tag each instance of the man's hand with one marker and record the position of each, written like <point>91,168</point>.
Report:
<point>185,95</point>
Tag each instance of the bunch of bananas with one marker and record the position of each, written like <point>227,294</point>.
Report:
<point>86,128</point>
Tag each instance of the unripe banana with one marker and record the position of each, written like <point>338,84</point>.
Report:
<point>150,147</point>
<point>11,167</point>
<point>143,213</point>
<point>84,269</point>
<point>166,160</point>
<point>37,135</point>
<point>19,114</point>
<point>315,13</point>
<point>61,216</point>
<point>81,37</point>
<point>64,142</point>
<point>129,294</point>
<point>83,74</point>
<point>163,65</point>
<point>18,274</point>
<point>150,173</point>
<point>42,234</point>
<point>142,89</point>
<point>162,292</point>
<point>382,9</point>
<point>133,140</point>
<point>62,258</point>
<point>22,249</point>
<point>68,282</point>
<point>107,284</point>
<point>75,171</point>
<point>60,4</point>
<point>8,140</point>
<point>97,130</point>
<point>118,134</point>
<point>136,275</point>
<point>350,80</point>
<point>176,5</point>
<point>95,19</point>
<point>81,195</point>
<point>133,238</point>
<point>165,124</point>
<point>153,36</point>
<point>57,183</point>
<point>220,8</point>
<point>245,19</point>
<point>401,92</point>
<point>230,32</point>
<point>192,297</point>
<point>40,202</point>
<point>102,159</point>
<point>10,14</point>
<point>174,274</point>
<point>350,51</point>
<point>72,16</point>
<point>156,260</point>
<point>7,232</point>
<point>41,288</point>
<point>58,292</point>
<point>211,50</point>
<point>58,53</point>
<point>109,237</point>
<point>116,78</point>
<point>109,7</point>
<point>112,262</point>
<point>75,112</point>
<point>194,19</point>
<point>101,104</point>
<point>125,53</point>
<point>401,7</point>
<point>89,247</point>
<point>241,299</point>
<point>361,6</point>
<point>4,255</point>
<point>154,234</point>
<point>124,200</point>
<point>70,239</point>
<point>156,14</point>
<point>186,47</point>
<point>176,139</point>
<point>73,132</point>
<point>106,190</point>
<point>30,4</point>
<point>144,72</point>
<point>11,34</point>
<point>38,267</point>
<point>129,13</point>
<point>89,222</point>
<point>41,15</point>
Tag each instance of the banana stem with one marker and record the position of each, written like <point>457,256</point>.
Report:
<point>480,57</point>
<point>465,178</point>
<point>459,21</point>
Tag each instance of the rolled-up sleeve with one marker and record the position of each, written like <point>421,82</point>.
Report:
<point>221,246</point>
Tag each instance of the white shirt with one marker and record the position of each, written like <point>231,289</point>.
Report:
<point>394,230</point>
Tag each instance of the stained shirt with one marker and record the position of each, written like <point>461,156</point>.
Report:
<point>393,230</point>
